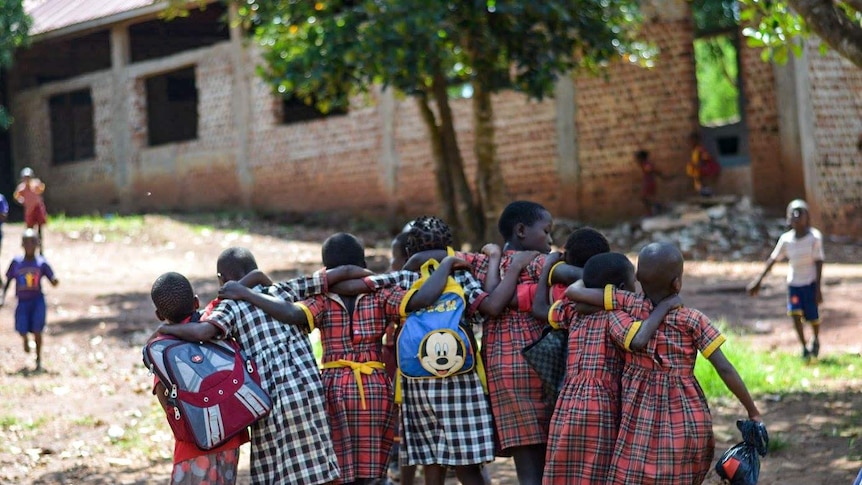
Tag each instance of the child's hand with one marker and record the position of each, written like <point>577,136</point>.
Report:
<point>233,290</point>
<point>522,258</point>
<point>818,295</point>
<point>455,263</point>
<point>492,250</point>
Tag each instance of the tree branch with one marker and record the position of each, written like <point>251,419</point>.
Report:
<point>854,4</point>
<point>832,25</point>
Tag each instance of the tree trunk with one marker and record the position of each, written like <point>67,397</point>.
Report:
<point>832,25</point>
<point>469,216</point>
<point>442,177</point>
<point>489,176</point>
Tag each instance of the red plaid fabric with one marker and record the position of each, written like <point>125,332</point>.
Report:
<point>586,419</point>
<point>520,416</point>
<point>666,427</point>
<point>362,435</point>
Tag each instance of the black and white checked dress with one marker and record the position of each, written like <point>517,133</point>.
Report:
<point>445,421</point>
<point>292,444</point>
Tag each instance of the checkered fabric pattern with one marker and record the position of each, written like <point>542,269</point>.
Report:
<point>362,436</point>
<point>521,415</point>
<point>547,356</point>
<point>447,421</point>
<point>666,427</point>
<point>292,444</point>
<point>586,419</point>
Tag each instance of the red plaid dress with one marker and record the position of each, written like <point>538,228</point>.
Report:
<point>359,396</point>
<point>586,420</point>
<point>521,417</point>
<point>666,427</point>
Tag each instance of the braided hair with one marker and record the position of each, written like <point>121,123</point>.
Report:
<point>427,233</point>
<point>173,296</point>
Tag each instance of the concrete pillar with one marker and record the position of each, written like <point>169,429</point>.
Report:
<point>389,160</point>
<point>241,104</point>
<point>796,126</point>
<point>121,127</point>
<point>568,163</point>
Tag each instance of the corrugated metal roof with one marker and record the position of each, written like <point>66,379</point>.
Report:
<point>50,15</point>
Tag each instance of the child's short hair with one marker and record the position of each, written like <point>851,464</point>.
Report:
<point>401,241</point>
<point>236,261</point>
<point>519,212</point>
<point>173,296</point>
<point>427,233</point>
<point>343,249</point>
<point>583,244</point>
<point>641,155</point>
<point>608,269</point>
<point>659,263</point>
<point>30,233</point>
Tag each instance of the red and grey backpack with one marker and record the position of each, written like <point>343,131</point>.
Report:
<point>212,388</point>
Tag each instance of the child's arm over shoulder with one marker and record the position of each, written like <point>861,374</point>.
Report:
<point>433,287</point>
<point>192,331</point>
<point>541,301</point>
<point>495,255</point>
<point>281,310</point>
<point>254,278</point>
<point>500,298</point>
<point>640,336</point>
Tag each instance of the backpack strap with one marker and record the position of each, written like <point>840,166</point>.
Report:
<point>359,368</point>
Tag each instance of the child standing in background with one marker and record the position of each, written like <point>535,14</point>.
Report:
<point>27,271</point>
<point>802,246</point>
<point>176,303</point>
<point>28,193</point>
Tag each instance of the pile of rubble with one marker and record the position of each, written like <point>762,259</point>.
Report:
<point>718,228</point>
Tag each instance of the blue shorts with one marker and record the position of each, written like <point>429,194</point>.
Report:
<point>30,315</point>
<point>802,300</point>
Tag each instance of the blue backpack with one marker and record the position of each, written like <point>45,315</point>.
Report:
<point>432,342</point>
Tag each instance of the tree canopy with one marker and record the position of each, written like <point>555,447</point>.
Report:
<point>779,26</point>
<point>14,25</point>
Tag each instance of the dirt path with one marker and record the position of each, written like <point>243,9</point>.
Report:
<point>91,419</point>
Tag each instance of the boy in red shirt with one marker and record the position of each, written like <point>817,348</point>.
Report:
<point>176,303</point>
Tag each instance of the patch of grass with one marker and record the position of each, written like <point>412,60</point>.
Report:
<point>108,227</point>
<point>775,372</point>
<point>8,422</point>
<point>777,442</point>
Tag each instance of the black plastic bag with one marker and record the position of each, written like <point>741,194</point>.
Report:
<point>547,356</point>
<point>741,463</point>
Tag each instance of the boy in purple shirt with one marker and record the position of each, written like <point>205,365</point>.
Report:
<point>27,272</point>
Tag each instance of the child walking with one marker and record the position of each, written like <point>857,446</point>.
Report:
<point>27,271</point>
<point>665,432</point>
<point>802,246</point>
<point>293,440</point>
<point>28,193</point>
<point>176,303</point>
<point>359,395</point>
<point>585,422</point>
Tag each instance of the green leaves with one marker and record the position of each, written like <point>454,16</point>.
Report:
<point>14,25</point>
<point>772,26</point>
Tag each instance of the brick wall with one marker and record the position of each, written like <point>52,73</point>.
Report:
<point>347,163</point>
<point>835,90</point>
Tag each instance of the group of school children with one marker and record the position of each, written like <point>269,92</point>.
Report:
<point>629,410</point>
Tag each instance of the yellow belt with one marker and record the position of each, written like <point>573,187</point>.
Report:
<point>359,368</point>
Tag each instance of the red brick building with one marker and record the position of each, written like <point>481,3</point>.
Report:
<point>119,111</point>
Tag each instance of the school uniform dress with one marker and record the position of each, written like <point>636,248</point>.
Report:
<point>292,443</point>
<point>445,421</point>
<point>521,416</point>
<point>666,427</point>
<point>586,419</point>
<point>360,405</point>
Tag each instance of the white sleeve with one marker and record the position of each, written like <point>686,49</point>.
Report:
<point>817,249</point>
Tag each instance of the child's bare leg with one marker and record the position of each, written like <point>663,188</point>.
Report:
<point>434,474</point>
<point>408,474</point>
<point>470,474</point>
<point>26,342</point>
<point>800,332</point>
<point>529,463</point>
<point>815,341</point>
<point>37,337</point>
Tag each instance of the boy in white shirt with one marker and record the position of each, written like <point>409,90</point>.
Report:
<point>802,246</point>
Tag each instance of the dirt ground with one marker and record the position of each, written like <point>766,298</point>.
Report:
<point>89,417</point>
